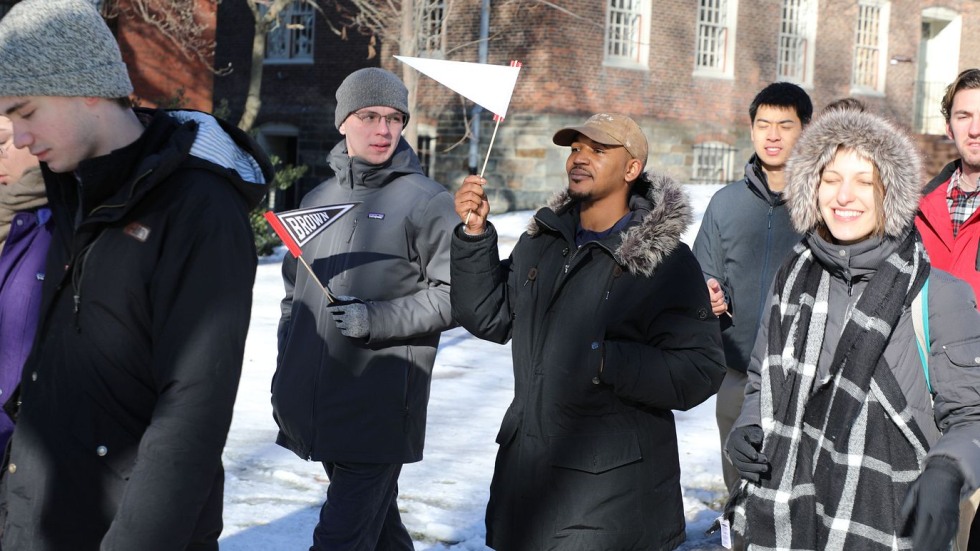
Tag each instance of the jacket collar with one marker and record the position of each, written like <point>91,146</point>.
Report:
<point>661,214</point>
<point>109,185</point>
<point>356,172</point>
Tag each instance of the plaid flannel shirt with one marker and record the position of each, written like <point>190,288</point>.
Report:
<point>962,204</point>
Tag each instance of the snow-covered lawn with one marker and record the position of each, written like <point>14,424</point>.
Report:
<point>272,498</point>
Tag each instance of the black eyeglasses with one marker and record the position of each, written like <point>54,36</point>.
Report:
<point>371,118</point>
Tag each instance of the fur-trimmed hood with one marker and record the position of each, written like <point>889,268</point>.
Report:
<point>661,215</point>
<point>888,147</point>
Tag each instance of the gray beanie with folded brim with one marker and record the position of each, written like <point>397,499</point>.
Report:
<point>60,48</point>
<point>369,87</point>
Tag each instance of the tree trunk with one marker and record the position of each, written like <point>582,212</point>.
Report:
<point>253,101</point>
<point>406,47</point>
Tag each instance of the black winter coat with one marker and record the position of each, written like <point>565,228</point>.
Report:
<point>128,393</point>
<point>588,457</point>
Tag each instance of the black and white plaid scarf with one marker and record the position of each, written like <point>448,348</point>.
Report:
<point>844,452</point>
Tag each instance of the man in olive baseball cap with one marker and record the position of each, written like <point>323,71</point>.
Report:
<point>611,327</point>
<point>609,129</point>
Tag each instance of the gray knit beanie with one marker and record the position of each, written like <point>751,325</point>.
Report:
<point>367,87</point>
<point>60,48</point>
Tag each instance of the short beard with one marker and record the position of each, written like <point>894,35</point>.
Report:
<point>579,196</point>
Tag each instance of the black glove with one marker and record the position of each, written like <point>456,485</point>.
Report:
<point>743,448</point>
<point>931,510</point>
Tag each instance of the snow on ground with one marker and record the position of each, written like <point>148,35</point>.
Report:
<point>273,498</point>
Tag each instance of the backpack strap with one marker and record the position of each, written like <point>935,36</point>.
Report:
<point>920,322</point>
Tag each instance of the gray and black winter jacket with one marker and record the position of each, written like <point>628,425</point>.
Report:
<point>342,399</point>
<point>745,234</point>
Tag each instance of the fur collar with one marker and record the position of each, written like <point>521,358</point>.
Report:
<point>661,215</point>
<point>891,150</point>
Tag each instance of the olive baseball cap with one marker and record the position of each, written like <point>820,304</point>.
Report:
<point>608,129</point>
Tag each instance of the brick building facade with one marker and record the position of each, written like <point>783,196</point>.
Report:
<point>161,73</point>
<point>296,120</point>
<point>685,69</point>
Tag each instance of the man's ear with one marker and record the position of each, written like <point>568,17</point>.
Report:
<point>633,169</point>
<point>343,131</point>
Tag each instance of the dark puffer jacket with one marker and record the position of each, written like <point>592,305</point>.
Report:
<point>588,460</point>
<point>127,396</point>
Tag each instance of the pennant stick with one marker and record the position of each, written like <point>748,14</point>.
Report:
<point>492,137</point>
<point>293,247</point>
<point>485,160</point>
<point>323,287</point>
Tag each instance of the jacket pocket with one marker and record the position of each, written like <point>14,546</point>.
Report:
<point>955,378</point>
<point>594,453</point>
<point>508,427</point>
<point>598,484</point>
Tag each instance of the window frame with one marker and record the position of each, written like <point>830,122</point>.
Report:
<point>287,24</point>
<point>639,29</point>
<point>803,28</point>
<point>879,66</point>
<point>432,14</point>
<point>722,151</point>
<point>727,15</point>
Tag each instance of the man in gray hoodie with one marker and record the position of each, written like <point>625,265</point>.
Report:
<point>352,383</point>
<point>744,236</point>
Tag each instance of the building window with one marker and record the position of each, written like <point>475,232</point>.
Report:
<point>433,13</point>
<point>291,40</point>
<point>627,33</point>
<point>797,31</point>
<point>714,163</point>
<point>716,37</point>
<point>869,46</point>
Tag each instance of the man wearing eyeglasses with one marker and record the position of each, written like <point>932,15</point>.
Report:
<point>352,382</point>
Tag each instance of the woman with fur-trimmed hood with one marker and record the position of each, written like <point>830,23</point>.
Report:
<point>850,437</point>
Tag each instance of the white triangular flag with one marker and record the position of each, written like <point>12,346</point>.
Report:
<point>489,86</point>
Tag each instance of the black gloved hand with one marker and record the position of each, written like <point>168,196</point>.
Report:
<point>351,316</point>
<point>743,448</point>
<point>931,510</point>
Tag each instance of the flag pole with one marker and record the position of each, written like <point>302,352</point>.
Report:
<point>492,136</point>
<point>323,286</point>
<point>486,160</point>
<point>294,249</point>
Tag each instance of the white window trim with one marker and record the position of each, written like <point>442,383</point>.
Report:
<point>284,17</point>
<point>810,34</point>
<point>643,45</point>
<point>730,30</point>
<point>884,18</point>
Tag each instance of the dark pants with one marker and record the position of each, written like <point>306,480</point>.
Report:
<point>728,406</point>
<point>361,511</point>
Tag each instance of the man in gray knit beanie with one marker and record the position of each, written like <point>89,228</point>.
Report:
<point>128,393</point>
<point>59,55</point>
<point>387,261</point>
<point>370,86</point>
<point>60,48</point>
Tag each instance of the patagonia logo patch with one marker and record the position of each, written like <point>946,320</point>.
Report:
<point>376,215</point>
<point>39,276</point>
<point>137,231</point>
